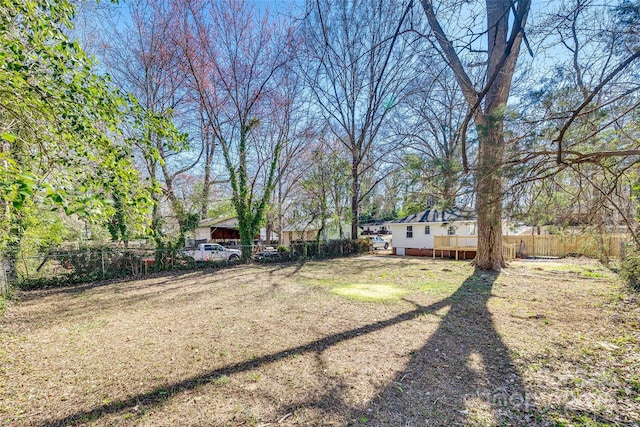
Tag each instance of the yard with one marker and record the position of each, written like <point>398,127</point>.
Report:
<point>367,341</point>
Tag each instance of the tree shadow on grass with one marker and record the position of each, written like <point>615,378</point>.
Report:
<point>158,395</point>
<point>461,374</point>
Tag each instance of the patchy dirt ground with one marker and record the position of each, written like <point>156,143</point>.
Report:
<point>368,341</point>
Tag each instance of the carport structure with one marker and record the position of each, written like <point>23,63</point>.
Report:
<point>218,229</point>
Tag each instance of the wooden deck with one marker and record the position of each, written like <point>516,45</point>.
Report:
<point>456,249</point>
<point>464,244</point>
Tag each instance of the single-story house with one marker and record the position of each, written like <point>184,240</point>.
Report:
<point>375,227</point>
<point>308,231</point>
<point>437,232</point>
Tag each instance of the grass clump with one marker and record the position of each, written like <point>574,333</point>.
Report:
<point>370,292</point>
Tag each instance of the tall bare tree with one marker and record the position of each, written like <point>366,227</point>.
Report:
<point>143,61</point>
<point>292,124</point>
<point>601,56</point>
<point>429,122</point>
<point>487,100</point>
<point>356,67</point>
<point>583,117</point>
<point>235,56</point>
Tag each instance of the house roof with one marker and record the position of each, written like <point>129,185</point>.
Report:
<point>435,215</point>
<point>228,222</point>
<point>372,223</point>
<point>314,225</point>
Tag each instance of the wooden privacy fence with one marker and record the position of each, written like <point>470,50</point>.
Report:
<point>590,245</point>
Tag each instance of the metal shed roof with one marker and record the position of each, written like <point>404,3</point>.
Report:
<point>228,222</point>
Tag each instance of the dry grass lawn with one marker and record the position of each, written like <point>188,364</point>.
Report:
<point>368,341</point>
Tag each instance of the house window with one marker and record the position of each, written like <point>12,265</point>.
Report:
<point>451,230</point>
<point>427,229</point>
<point>471,228</point>
<point>409,231</point>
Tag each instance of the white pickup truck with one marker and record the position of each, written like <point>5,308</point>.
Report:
<point>211,252</point>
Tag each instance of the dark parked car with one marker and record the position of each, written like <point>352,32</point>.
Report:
<point>269,256</point>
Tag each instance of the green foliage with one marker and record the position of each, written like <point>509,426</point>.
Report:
<point>250,208</point>
<point>223,209</point>
<point>630,269</point>
<point>331,249</point>
<point>51,270</point>
<point>635,195</point>
<point>430,181</point>
<point>117,225</point>
<point>81,267</point>
<point>326,188</point>
<point>59,119</point>
<point>43,231</point>
<point>546,204</point>
<point>190,221</point>
<point>627,14</point>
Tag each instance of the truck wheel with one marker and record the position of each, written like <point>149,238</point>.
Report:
<point>234,257</point>
<point>386,246</point>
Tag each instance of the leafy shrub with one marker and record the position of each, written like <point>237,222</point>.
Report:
<point>630,269</point>
<point>93,264</point>
<point>333,248</point>
<point>3,303</point>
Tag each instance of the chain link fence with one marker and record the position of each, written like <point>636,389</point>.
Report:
<point>93,264</point>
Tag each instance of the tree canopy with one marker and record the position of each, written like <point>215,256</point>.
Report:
<point>59,122</point>
<point>331,111</point>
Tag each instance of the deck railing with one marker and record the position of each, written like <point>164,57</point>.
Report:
<point>455,244</point>
<point>467,243</point>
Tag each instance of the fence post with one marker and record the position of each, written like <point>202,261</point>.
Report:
<point>534,249</point>
<point>4,282</point>
<point>102,259</point>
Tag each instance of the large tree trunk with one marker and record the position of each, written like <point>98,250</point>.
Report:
<point>156,219</point>
<point>489,202</point>
<point>206,183</point>
<point>246,240</point>
<point>355,200</point>
<point>487,108</point>
<point>280,216</point>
